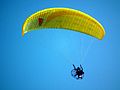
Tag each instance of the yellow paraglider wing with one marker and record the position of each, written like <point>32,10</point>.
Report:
<point>65,18</point>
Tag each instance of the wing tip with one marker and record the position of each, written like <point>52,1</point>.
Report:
<point>23,30</point>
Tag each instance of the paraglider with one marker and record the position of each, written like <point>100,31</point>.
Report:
<point>67,19</point>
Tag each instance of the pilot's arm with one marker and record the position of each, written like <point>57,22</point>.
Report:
<point>74,66</point>
<point>81,67</point>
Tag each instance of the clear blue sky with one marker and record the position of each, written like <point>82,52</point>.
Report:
<point>42,60</point>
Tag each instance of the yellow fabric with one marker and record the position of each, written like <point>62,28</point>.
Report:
<point>68,19</point>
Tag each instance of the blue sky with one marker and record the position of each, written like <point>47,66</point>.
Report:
<point>42,60</point>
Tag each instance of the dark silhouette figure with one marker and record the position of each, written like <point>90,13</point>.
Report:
<point>77,72</point>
